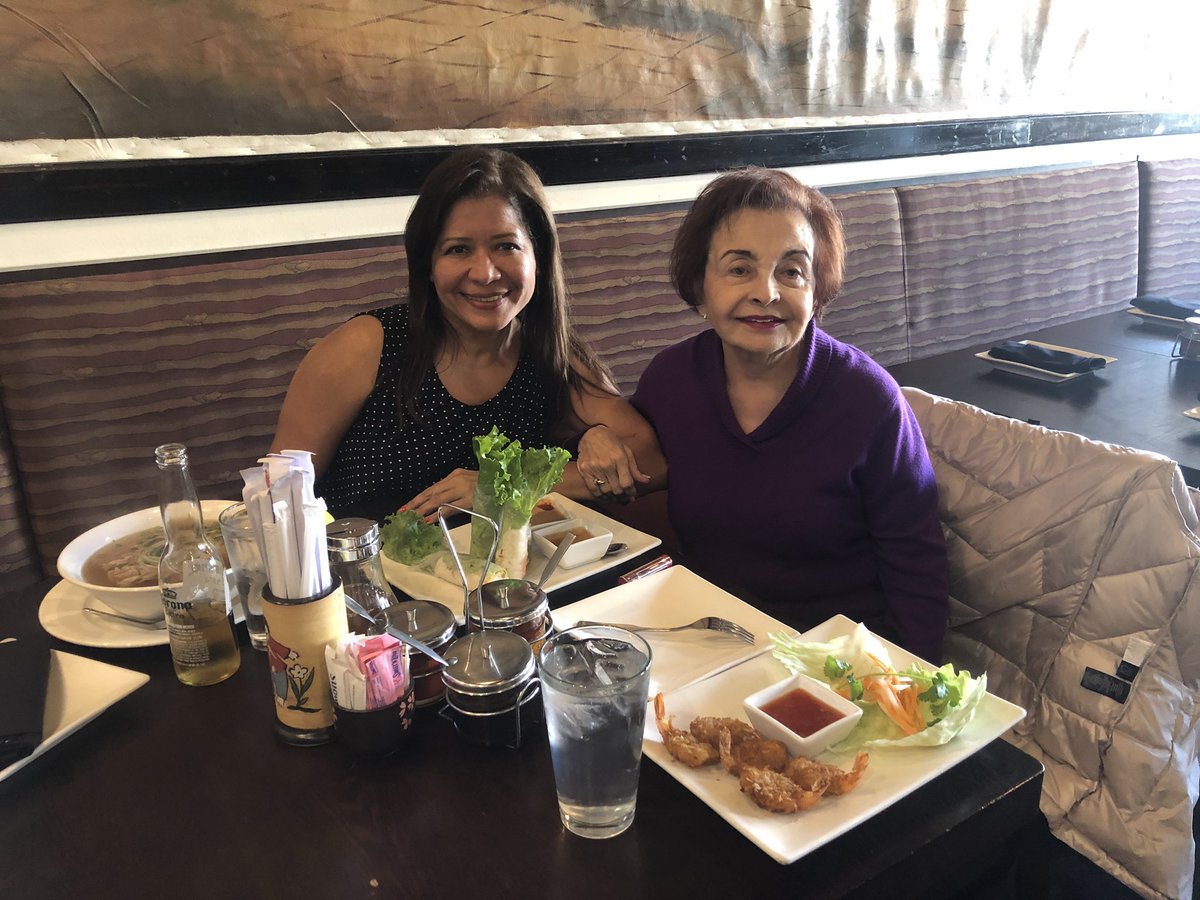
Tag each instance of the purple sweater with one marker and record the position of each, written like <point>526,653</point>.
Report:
<point>828,506</point>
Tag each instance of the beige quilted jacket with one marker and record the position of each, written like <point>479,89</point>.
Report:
<point>1066,557</point>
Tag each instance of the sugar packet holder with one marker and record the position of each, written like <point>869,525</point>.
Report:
<point>367,672</point>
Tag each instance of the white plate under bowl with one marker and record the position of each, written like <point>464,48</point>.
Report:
<point>891,774</point>
<point>78,690</point>
<point>1017,368</point>
<point>423,586</point>
<point>62,616</point>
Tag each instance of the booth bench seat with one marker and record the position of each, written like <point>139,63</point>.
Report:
<point>99,366</point>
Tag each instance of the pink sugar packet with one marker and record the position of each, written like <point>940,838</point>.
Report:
<point>369,672</point>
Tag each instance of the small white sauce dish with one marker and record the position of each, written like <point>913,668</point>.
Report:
<point>591,542</point>
<point>815,743</point>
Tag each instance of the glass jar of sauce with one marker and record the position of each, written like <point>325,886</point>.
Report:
<point>432,624</point>
<point>511,604</point>
<point>492,694</point>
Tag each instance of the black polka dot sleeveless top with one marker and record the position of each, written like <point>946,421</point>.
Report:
<point>382,463</point>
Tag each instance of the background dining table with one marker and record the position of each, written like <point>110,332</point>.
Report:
<point>185,792</point>
<point>1138,401</point>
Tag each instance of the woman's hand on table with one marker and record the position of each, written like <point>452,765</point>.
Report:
<point>457,488</point>
<point>608,466</point>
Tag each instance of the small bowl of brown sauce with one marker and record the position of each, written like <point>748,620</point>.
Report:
<point>589,542</point>
<point>802,712</point>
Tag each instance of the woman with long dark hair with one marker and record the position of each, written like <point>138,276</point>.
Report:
<point>389,402</point>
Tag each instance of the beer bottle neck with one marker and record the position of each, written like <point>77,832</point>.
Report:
<point>177,499</point>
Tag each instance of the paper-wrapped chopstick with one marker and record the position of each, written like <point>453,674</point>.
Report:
<point>289,523</point>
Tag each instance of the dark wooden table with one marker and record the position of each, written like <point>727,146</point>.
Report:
<point>185,792</point>
<point>1138,401</point>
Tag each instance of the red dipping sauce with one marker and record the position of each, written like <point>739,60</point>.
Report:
<point>801,712</point>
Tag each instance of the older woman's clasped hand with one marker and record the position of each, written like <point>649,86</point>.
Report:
<point>608,466</point>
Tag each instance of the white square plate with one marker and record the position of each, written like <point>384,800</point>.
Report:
<point>424,586</point>
<point>79,689</point>
<point>890,775</point>
<point>1040,374</point>
<point>677,596</point>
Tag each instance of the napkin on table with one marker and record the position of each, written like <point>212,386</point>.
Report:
<point>24,674</point>
<point>1059,361</point>
<point>1165,306</point>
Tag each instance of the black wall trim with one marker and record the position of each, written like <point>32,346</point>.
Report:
<point>89,190</point>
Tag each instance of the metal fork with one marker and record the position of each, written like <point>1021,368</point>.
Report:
<point>711,623</point>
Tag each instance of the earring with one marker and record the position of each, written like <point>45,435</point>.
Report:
<point>703,314</point>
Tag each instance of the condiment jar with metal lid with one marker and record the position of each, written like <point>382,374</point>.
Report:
<point>433,624</point>
<point>511,604</point>
<point>354,557</point>
<point>491,688</point>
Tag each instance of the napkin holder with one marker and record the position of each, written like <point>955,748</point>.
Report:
<point>297,632</point>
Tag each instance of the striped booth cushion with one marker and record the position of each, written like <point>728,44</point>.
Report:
<point>871,312</point>
<point>617,268</point>
<point>98,369</point>
<point>988,258</point>
<point>1170,262</point>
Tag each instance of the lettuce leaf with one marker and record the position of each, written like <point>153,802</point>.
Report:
<point>511,481</point>
<point>407,538</point>
<point>947,698</point>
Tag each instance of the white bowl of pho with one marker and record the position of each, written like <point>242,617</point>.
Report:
<point>118,561</point>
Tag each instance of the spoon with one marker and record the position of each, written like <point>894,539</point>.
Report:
<point>566,542</point>
<point>615,548</point>
<point>395,632</point>
<point>134,620</point>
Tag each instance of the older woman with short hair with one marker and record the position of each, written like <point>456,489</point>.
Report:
<point>798,474</point>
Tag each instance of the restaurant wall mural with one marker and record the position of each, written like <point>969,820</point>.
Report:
<point>97,79</point>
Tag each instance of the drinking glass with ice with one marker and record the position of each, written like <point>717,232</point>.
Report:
<point>595,685</point>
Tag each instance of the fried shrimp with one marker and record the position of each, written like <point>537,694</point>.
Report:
<point>764,769</point>
<point>775,792</point>
<point>708,729</point>
<point>680,744</point>
<point>757,752</point>
<point>811,775</point>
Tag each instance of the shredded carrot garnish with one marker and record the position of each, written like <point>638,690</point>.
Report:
<point>884,693</point>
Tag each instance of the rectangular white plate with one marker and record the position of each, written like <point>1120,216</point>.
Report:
<point>677,596</point>
<point>79,689</point>
<point>891,774</point>
<point>424,586</point>
<point>1017,368</point>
